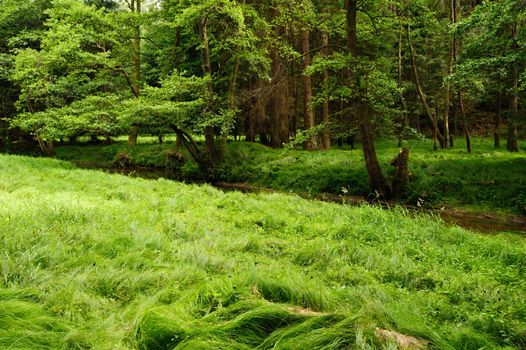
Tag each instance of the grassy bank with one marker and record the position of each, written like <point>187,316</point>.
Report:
<point>487,180</point>
<point>92,260</point>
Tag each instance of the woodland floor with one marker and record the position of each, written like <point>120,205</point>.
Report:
<point>100,261</point>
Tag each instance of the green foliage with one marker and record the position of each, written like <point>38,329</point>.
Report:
<point>62,83</point>
<point>83,61</point>
<point>492,62</point>
<point>178,101</point>
<point>57,55</point>
<point>95,115</point>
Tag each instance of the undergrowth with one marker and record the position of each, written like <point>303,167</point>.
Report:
<point>487,179</point>
<point>98,261</point>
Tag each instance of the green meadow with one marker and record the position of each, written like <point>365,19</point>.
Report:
<point>90,260</point>
<point>489,179</point>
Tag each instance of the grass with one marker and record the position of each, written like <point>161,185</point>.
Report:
<point>97,261</point>
<point>487,180</point>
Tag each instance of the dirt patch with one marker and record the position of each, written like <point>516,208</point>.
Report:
<point>304,311</point>
<point>255,291</point>
<point>402,341</point>
<point>241,187</point>
<point>292,309</point>
<point>484,222</point>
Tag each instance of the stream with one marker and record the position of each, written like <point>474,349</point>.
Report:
<point>488,223</point>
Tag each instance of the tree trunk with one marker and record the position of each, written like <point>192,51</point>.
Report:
<point>450,60</point>
<point>279,117</point>
<point>453,19</point>
<point>432,118</point>
<point>191,146</point>
<point>107,139</point>
<point>308,119</point>
<point>403,124</point>
<point>447,142</point>
<point>250,118</point>
<point>262,124</point>
<point>50,148</point>
<point>401,173</point>
<point>250,132</point>
<point>513,143</point>
<point>498,117</point>
<point>211,155</point>
<point>132,137</point>
<point>47,147</point>
<point>513,139</point>
<point>178,141</point>
<point>352,33</point>
<point>464,122</point>
<point>351,141</point>
<point>454,10</point>
<point>135,84</point>
<point>436,138</point>
<point>447,99</point>
<point>279,105</point>
<point>454,115</point>
<point>232,102</point>
<point>293,88</point>
<point>377,182</point>
<point>325,137</point>
<point>137,47</point>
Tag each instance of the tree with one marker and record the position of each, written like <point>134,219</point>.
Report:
<point>223,23</point>
<point>362,105</point>
<point>493,55</point>
<point>20,23</point>
<point>70,65</point>
<point>301,70</point>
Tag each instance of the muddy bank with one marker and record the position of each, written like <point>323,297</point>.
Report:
<point>484,222</point>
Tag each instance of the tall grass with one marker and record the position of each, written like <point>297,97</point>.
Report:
<point>489,179</point>
<point>96,261</point>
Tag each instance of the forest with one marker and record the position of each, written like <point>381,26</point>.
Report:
<point>262,174</point>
